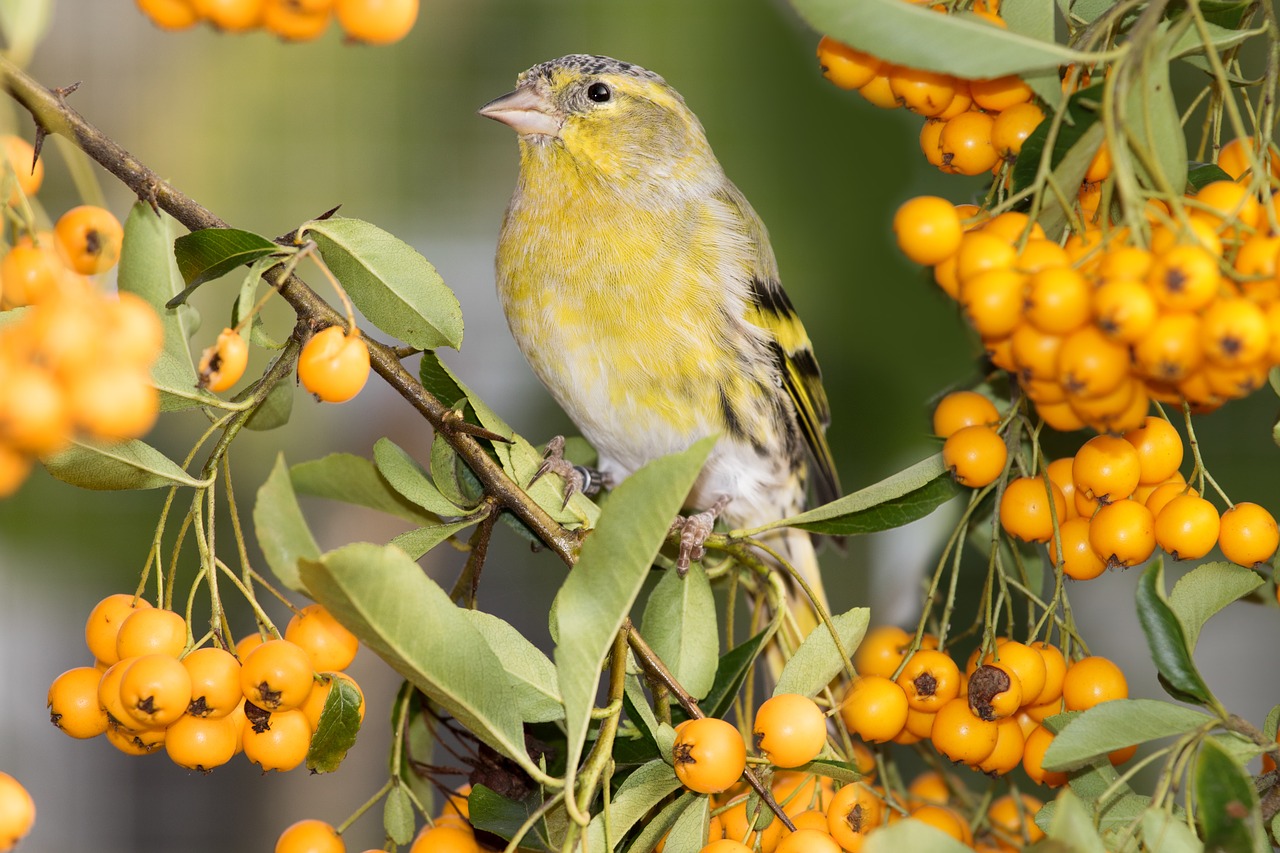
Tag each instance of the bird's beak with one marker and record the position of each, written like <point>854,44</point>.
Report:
<point>525,110</point>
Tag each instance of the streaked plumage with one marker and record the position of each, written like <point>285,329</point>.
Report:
<point>641,287</point>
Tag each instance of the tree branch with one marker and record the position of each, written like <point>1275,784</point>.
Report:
<point>52,115</point>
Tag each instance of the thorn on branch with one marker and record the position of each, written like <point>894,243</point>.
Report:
<point>150,193</point>
<point>455,423</point>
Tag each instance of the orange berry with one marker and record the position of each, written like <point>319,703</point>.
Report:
<point>1090,364</point>
<point>881,651</point>
<point>291,22</point>
<point>1012,127</point>
<point>222,364</point>
<point>1128,262</point>
<point>333,365</point>
<point>789,730</point>
<point>1010,742</point>
<point>73,703</point>
<point>113,401</point>
<point>1248,534</point>
<point>310,836</point>
<point>30,275</point>
<point>1107,468</point>
<point>1170,350</point>
<point>1165,492</point>
<point>931,141</point>
<point>1187,527</point>
<point>980,252</point>
<point>874,708</point>
<point>1185,278</point>
<point>854,812</point>
<point>313,708</point>
<point>155,691</point>
<point>1091,681</point>
<point>1236,158</point>
<point>709,755</point>
<point>966,144</point>
<point>1016,819</point>
<point>89,239</point>
<point>278,742</point>
<point>1100,166</point>
<point>276,675</point>
<point>945,819</point>
<point>329,645</point>
<point>1033,751</point>
<point>930,679</point>
<point>1079,560</point>
<point>960,409</point>
<point>170,14</point>
<point>103,625</point>
<point>1123,533</point>
<point>1159,450</point>
<point>961,101</point>
<point>928,229</point>
<point>201,743</point>
<point>1234,332</point>
<point>451,839</point>
<point>17,812</point>
<point>29,171</point>
<point>1227,203</point>
<point>1012,226</point>
<point>376,21</point>
<point>844,66</point>
<point>152,631</point>
<point>1025,509</point>
<point>1000,93</point>
<point>927,93</point>
<point>993,301</point>
<point>1058,300</point>
<point>215,682</point>
<point>233,16</point>
<point>975,456</point>
<point>961,735</point>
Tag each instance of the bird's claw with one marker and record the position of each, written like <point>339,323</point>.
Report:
<point>577,478</point>
<point>694,530</point>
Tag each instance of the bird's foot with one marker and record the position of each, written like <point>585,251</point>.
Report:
<point>577,478</point>
<point>694,530</point>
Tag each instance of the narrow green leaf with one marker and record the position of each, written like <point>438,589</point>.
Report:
<point>1271,724</point>
<point>680,626</point>
<point>1169,649</point>
<point>1035,19</point>
<point>385,599</point>
<point>892,502</point>
<point>840,771</point>
<point>395,287</point>
<point>689,833</point>
<point>354,480</point>
<point>403,473</point>
<point>1073,824</point>
<point>248,298</point>
<point>397,815</point>
<point>1206,173</point>
<point>420,540</point>
<point>283,534</point>
<point>274,412</point>
<point>664,825</point>
<point>1226,802</point>
<point>730,675</point>
<point>1220,38</point>
<point>1166,833</point>
<point>637,707</point>
<point>911,835</point>
<point>1115,724</point>
<point>444,473</point>
<point>601,589</point>
<point>114,467</point>
<point>338,726</point>
<point>531,673</point>
<point>915,36</point>
<point>641,791</point>
<point>439,380</point>
<point>211,253</point>
<point>147,270</point>
<point>1151,115</point>
<point>1205,590</point>
<point>817,661</point>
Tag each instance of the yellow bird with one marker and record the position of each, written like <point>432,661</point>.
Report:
<point>642,289</point>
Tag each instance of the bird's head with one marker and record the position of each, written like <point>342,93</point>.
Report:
<point>613,117</point>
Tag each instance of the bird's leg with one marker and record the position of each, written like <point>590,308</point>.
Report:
<point>694,530</point>
<point>577,478</point>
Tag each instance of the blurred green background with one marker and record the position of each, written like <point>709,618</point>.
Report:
<point>268,135</point>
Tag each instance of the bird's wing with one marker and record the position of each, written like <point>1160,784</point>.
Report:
<point>770,309</point>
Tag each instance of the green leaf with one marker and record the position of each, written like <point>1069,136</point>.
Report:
<point>1168,834</point>
<point>892,502</point>
<point>817,661</point>
<point>147,270</point>
<point>24,23</point>
<point>1152,118</point>
<point>395,287</point>
<point>1205,590</point>
<point>660,826</point>
<point>1073,824</point>
<point>420,540</point>
<point>641,791</point>
<point>491,812</point>
<point>600,591</point>
<point>917,37</point>
<point>439,380</point>
<point>211,253</point>
<point>397,815</point>
<point>1271,724</point>
<point>911,835</point>
<point>680,626</point>
<point>338,726</point>
<point>531,673</point>
<point>444,473</point>
<point>354,480</point>
<point>1220,38</point>
<point>403,473</point>
<point>114,467</point>
<point>283,534</point>
<point>730,675</point>
<point>385,599</point>
<point>1204,174</point>
<point>840,771</point>
<point>1035,19</point>
<point>1226,802</point>
<point>1169,648</point>
<point>273,412</point>
<point>689,833</point>
<point>637,707</point>
<point>1081,116</point>
<point>1115,724</point>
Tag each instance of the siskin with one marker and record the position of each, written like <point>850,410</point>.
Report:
<point>642,289</point>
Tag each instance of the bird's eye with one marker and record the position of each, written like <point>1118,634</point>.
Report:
<point>599,93</point>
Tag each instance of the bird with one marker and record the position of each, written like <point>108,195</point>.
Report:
<point>642,289</point>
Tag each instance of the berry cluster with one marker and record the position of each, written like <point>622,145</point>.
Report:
<point>1096,328</point>
<point>449,832</point>
<point>367,21</point>
<point>971,126</point>
<point>150,688</point>
<point>74,361</point>
<point>1113,502</point>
